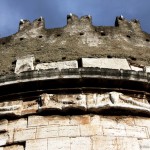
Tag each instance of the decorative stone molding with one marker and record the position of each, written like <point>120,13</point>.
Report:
<point>87,102</point>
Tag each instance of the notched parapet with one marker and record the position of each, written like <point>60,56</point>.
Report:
<point>23,24</point>
<point>86,19</point>
<point>26,24</point>
<point>133,25</point>
<point>73,19</point>
<point>40,22</point>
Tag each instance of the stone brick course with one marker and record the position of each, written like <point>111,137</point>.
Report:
<point>76,132</point>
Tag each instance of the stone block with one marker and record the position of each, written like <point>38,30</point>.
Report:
<point>104,143</point>
<point>111,122</point>
<point>144,144</point>
<point>88,130</point>
<point>137,132</point>
<point>114,143</point>
<point>142,121</point>
<point>17,124</point>
<point>113,63</point>
<point>3,125</point>
<point>59,120</point>
<point>48,131</point>
<point>81,143</point>
<point>4,138</point>
<point>147,69</point>
<point>11,107</point>
<point>136,68</point>
<point>61,143</point>
<point>69,131</point>
<point>37,121</point>
<point>21,135</point>
<point>79,120</point>
<point>24,64</point>
<point>114,132</point>
<point>38,144</point>
<point>124,143</point>
<point>29,107</point>
<point>14,147</point>
<point>59,65</point>
<point>95,120</point>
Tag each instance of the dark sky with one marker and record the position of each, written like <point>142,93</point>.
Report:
<point>55,12</point>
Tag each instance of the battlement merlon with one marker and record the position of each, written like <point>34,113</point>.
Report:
<point>26,24</point>
<point>133,25</point>
<point>72,19</point>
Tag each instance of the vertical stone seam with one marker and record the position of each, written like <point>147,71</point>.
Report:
<point>47,143</point>
<point>91,143</point>
<point>147,132</point>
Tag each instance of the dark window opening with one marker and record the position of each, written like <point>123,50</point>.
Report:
<point>128,36</point>
<point>21,39</point>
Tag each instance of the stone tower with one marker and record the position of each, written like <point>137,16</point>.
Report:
<point>79,87</point>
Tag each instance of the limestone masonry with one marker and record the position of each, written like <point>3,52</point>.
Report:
<point>79,87</point>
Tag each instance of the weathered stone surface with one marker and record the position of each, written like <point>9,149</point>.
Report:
<point>147,69</point>
<point>30,107</point>
<point>38,144</point>
<point>79,120</point>
<point>17,124</point>
<point>37,121</point>
<point>13,147</point>
<point>59,120</point>
<point>142,121</point>
<point>12,107</point>
<point>3,125</point>
<point>114,143</point>
<point>69,131</point>
<point>94,102</point>
<point>24,134</point>
<point>136,68</point>
<point>138,132</point>
<point>61,143</point>
<point>113,63</point>
<point>81,143</point>
<point>114,132</point>
<point>59,65</point>
<point>104,143</point>
<point>4,138</point>
<point>47,132</point>
<point>88,130</point>
<point>144,144</point>
<point>127,144</point>
<point>24,64</point>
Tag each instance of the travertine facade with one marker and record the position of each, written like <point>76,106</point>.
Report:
<point>80,87</point>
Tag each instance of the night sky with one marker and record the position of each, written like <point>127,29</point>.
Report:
<point>103,12</point>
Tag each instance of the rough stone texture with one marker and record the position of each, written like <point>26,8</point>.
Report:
<point>113,63</point>
<point>86,102</point>
<point>78,39</point>
<point>24,64</point>
<point>83,104</point>
<point>136,68</point>
<point>38,144</point>
<point>61,143</point>
<point>59,65</point>
<point>24,134</point>
<point>3,125</point>
<point>147,69</point>
<point>13,147</point>
<point>94,132</point>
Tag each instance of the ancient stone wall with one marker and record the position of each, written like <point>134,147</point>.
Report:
<point>79,87</point>
<point>83,132</point>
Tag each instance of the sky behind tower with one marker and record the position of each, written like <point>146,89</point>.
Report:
<point>103,12</point>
